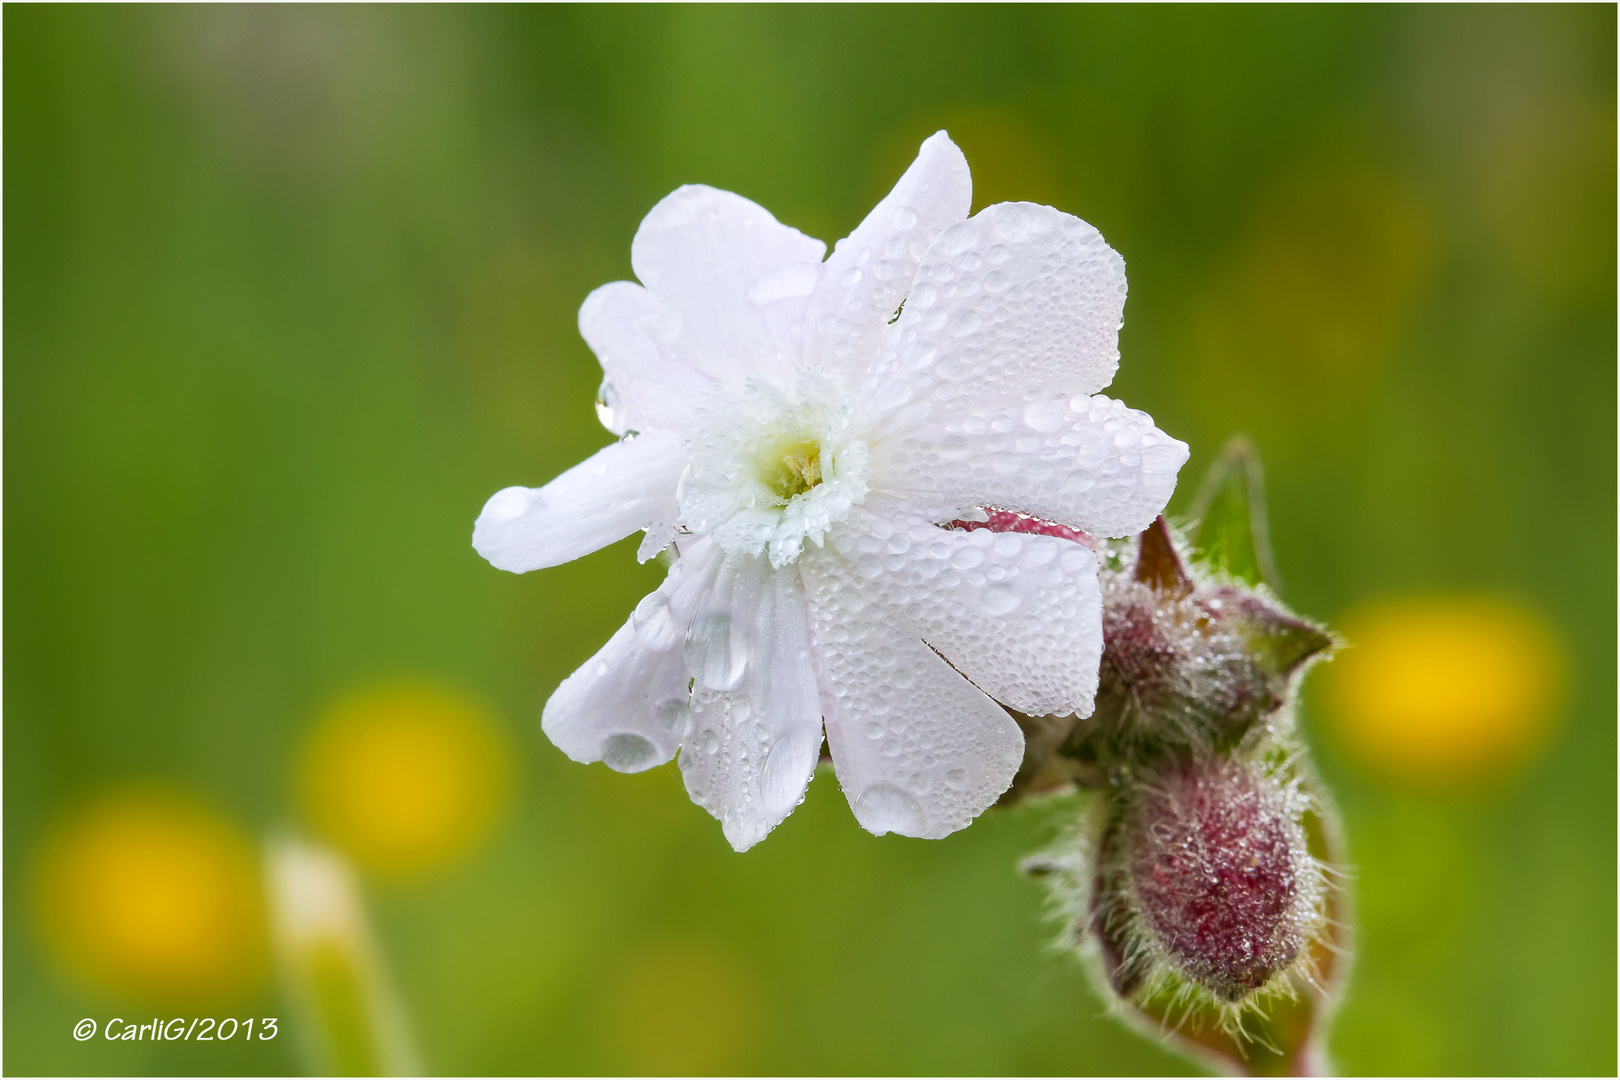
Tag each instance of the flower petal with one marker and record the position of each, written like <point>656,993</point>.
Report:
<point>721,265</point>
<point>619,489</point>
<point>919,750</point>
<point>871,269</point>
<point>1017,613</point>
<point>1018,302</point>
<point>642,388</point>
<point>1089,462</point>
<point>751,749</point>
<point>627,705</point>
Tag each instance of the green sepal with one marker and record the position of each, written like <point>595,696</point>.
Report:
<point>1277,643</point>
<point>1231,513</point>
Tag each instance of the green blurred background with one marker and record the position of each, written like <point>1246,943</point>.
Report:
<point>290,291</point>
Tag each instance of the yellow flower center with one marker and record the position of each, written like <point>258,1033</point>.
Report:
<point>791,467</point>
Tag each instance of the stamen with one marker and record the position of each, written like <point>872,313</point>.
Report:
<point>792,469</point>
<point>806,466</point>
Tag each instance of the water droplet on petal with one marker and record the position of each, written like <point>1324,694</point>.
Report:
<point>654,623</point>
<point>717,651</point>
<point>628,752</point>
<point>999,599</point>
<point>784,282</point>
<point>1043,416</point>
<point>508,504</point>
<point>671,714</point>
<point>788,764</point>
<point>885,808</point>
<point>967,558</point>
<point>607,406</point>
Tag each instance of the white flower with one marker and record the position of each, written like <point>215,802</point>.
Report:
<point>801,445</point>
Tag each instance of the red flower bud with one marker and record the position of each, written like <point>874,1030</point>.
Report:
<point>1219,876</point>
<point>1189,665</point>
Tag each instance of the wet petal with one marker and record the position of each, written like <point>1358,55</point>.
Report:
<point>1018,302</point>
<point>724,269</point>
<point>1088,462</point>
<point>752,748</point>
<point>619,489</point>
<point>627,705</point>
<point>1017,613</point>
<point>642,387</point>
<point>919,750</point>
<point>871,269</point>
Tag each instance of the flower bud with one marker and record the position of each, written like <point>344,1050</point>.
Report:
<point>1189,665</point>
<point>1217,879</point>
<point>1196,882</point>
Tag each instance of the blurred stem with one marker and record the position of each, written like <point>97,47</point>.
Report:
<point>338,1000</point>
<point>329,958</point>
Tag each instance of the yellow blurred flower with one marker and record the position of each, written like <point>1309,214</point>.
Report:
<point>1444,692</point>
<point>150,894</point>
<point>404,779</point>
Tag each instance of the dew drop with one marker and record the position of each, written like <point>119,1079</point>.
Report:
<point>508,504</point>
<point>1043,416</point>
<point>954,448</point>
<point>966,558</point>
<point>607,406</point>
<point>885,808</point>
<point>999,599</point>
<point>628,752</point>
<point>654,623</point>
<point>671,713</point>
<point>964,322</point>
<point>788,765</point>
<point>717,651</point>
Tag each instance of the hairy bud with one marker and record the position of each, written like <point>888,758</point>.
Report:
<point>1191,664</point>
<point>1196,880</point>
<point>1219,877</point>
